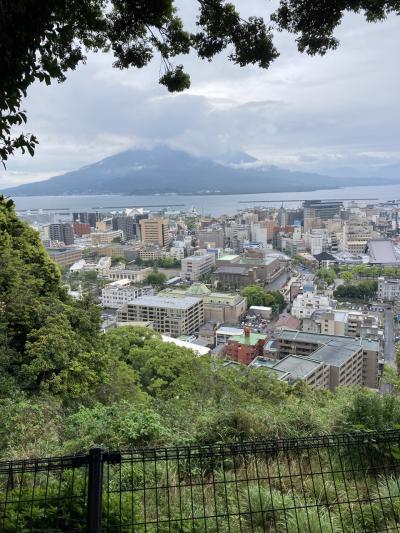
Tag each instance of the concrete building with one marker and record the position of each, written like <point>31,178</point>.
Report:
<point>342,353</point>
<point>218,307</point>
<point>105,237</point>
<point>355,235</point>
<point>81,229</point>
<point>172,316</point>
<point>211,238</point>
<point>223,333</point>
<point>237,271</point>
<point>62,232</point>
<point>137,275</point>
<point>194,266</point>
<point>150,252</point>
<point>65,257</point>
<point>154,231</point>
<point>245,347</point>
<point>388,289</point>
<point>305,304</point>
<point>127,225</point>
<point>343,323</point>
<point>121,292</point>
<point>313,372</point>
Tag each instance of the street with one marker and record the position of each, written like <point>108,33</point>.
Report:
<point>389,339</point>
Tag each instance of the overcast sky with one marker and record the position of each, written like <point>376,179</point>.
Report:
<point>338,115</point>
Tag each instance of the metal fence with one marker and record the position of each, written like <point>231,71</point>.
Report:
<point>339,483</point>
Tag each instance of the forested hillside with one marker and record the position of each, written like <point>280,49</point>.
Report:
<point>66,387</point>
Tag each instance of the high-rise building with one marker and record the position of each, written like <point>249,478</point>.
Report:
<point>62,232</point>
<point>88,218</point>
<point>323,209</point>
<point>154,231</point>
<point>127,225</point>
<point>81,228</point>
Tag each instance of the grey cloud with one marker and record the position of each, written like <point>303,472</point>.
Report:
<point>327,114</point>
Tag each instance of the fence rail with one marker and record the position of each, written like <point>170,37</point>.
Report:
<point>336,483</point>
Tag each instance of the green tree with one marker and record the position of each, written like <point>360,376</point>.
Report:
<point>43,41</point>
<point>347,276</point>
<point>256,295</point>
<point>156,278</point>
<point>58,360</point>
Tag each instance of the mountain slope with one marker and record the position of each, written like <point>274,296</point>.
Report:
<point>162,170</point>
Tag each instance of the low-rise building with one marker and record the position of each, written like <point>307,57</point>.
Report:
<point>105,237</point>
<point>65,257</point>
<point>388,289</point>
<point>172,316</point>
<point>304,305</point>
<point>245,347</point>
<point>137,275</point>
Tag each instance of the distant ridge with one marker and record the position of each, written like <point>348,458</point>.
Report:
<point>162,170</point>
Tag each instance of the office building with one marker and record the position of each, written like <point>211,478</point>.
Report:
<point>172,316</point>
<point>62,232</point>
<point>211,238</point>
<point>127,225</point>
<point>154,231</point>
<point>194,266</point>
<point>88,218</point>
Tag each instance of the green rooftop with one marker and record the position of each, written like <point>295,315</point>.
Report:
<point>250,340</point>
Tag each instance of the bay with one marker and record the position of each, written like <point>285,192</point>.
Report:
<point>206,204</point>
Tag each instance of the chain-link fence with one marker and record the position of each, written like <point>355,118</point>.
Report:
<point>338,483</point>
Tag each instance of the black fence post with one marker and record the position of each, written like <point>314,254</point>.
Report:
<point>95,490</point>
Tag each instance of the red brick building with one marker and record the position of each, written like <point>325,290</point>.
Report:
<point>244,348</point>
<point>81,229</point>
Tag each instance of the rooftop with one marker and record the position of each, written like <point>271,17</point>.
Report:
<point>249,340</point>
<point>336,341</point>
<point>382,251</point>
<point>335,353</point>
<point>165,302</point>
<point>297,366</point>
<point>241,271</point>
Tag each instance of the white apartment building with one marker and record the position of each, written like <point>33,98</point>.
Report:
<point>194,266</point>
<point>314,243</point>
<point>172,316</point>
<point>304,305</point>
<point>177,250</point>
<point>388,289</point>
<point>120,292</point>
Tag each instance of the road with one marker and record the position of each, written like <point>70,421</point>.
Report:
<point>279,282</point>
<point>389,338</point>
